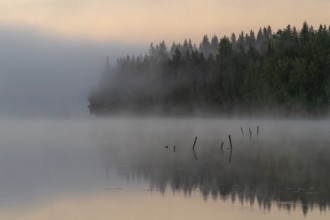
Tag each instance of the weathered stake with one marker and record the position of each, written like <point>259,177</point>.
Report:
<point>194,143</point>
<point>193,148</point>
<point>231,146</point>
<point>222,148</point>
<point>242,131</point>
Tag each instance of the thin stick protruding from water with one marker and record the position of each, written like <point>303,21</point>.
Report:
<point>194,143</point>
<point>242,131</point>
<point>222,148</point>
<point>174,148</point>
<point>231,146</point>
<point>193,148</point>
<point>231,149</point>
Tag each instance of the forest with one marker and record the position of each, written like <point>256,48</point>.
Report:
<point>285,72</point>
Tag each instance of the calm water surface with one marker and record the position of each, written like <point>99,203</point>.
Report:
<point>126,168</point>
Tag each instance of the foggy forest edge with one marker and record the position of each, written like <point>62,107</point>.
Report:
<point>286,72</point>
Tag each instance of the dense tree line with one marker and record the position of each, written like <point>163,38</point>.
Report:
<point>287,70</point>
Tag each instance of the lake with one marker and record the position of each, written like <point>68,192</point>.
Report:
<point>164,168</point>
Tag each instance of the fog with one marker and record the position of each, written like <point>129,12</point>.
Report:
<point>283,162</point>
<point>42,75</point>
<point>52,149</point>
<point>286,163</point>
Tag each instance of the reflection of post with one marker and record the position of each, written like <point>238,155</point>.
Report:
<point>242,131</point>
<point>257,131</point>
<point>195,155</point>
<point>222,148</point>
<point>231,151</point>
<point>193,148</point>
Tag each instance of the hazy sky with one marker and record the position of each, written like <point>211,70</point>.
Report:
<point>42,75</point>
<point>155,20</point>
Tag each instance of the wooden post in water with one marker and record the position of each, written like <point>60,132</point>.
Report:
<point>250,132</point>
<point>174,148</point>
<point>222,148</point>
<point>242,131</point>
<point>193,148</point>
<point>194,143</point>
<point>231,146</point>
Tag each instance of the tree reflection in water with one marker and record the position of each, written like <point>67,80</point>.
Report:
<point>266,172</point>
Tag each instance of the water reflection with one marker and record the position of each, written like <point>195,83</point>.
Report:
<point>287,170</point>
<point>89,167</point>
<point>147,206</point>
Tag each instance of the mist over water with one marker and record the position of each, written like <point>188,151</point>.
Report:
<point>286,162</point>
<point>283,168</point>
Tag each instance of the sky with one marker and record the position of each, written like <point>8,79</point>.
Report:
<point>52,52</point>
<point>144,21</point>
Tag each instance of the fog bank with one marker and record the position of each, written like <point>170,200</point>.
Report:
<point>43,75</point>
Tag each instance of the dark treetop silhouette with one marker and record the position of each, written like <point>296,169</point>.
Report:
<point>287,71</point>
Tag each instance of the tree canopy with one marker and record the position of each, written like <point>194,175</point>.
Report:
<point>287,70</point>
